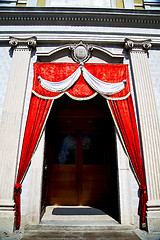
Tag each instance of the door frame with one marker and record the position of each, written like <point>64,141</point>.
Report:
<point>125,175</point>
<point>96,112</point>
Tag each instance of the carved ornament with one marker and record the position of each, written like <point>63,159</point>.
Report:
<point>136,45</point>
<point>23,43</point>
<point>80,52</point>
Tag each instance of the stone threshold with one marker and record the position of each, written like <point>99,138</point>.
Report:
<point>77,218</point>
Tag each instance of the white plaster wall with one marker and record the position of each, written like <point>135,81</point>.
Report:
<point>5,60</point>
<point>32,187</point>
<point>134,198</point>
<point>82,3</point>
<point>31,3</point>
<point>128,187</point>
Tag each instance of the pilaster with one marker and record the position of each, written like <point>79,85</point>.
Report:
<point>149,127</point>
<point>11,125</point>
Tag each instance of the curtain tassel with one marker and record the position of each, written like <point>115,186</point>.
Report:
<point>17,200</point>
<point>142,205</point>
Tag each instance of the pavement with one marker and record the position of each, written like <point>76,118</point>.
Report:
<point>78,223</point>
<point>74,235</point>
<point>77,235</point>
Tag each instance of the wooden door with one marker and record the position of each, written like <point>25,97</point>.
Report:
<point>63,183</point>
<point>80,152</point>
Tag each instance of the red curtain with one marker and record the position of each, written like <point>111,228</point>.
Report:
<point>120,104</point>
<point>125,121</point>
<point>38,111</point>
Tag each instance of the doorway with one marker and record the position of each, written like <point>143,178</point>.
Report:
<point>80,156</point>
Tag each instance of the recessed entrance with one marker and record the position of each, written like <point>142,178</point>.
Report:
<point>80,155</point>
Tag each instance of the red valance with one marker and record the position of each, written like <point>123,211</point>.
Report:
<point>56,72</point>
<point>120,104</point>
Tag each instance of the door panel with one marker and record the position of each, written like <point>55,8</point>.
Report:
<point>93,184</point>
<point>63,179</point>
<point>83,181</point>
<point>80,154</point>
<point>64,185</point>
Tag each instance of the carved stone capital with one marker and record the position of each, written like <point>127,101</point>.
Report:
<point>80,52</point>
<point>136,45</point>
<point>22,43</point>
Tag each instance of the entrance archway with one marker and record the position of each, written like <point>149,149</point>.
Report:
<point>80,155</point>
<point>122,111</point>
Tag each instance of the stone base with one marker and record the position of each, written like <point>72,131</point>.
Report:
<point>29,219</point>
<point>6,216</point>
<point>153,222</point>
<point>153,225</point>
<point>136,223</point>
<point>7,222</point>
<point>153,216</point>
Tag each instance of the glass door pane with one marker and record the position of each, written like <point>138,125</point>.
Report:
<point>66,146</point>
<point>92,148</point>
<point>65,149</point>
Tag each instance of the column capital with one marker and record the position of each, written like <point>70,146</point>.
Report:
<point>138,45</point>
<point>23,43</point>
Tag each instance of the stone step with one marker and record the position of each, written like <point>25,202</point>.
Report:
<point>55,235</point>
<point>51,228</point>
<point>76,219</point>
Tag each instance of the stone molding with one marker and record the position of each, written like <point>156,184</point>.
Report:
<point>138,45</point>
<point>22,43</point>
<point>8,3</point>
<point>151,3</point>
<point>45,56</point>
<point>87,15</point>
<point>86,18</point>
<point>54,24</point>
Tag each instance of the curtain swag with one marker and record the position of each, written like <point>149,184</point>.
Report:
<point>51,81</point>
<point>99,86</point>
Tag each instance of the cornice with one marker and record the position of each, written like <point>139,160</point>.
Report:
<point>79,16</point>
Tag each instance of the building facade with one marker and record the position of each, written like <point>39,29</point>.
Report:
<point>118,32</point>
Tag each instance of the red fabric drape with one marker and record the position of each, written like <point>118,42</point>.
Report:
<point>124,117</point>
<point>38,111</point>
<point>56,72</point>
<point>122,111</point>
